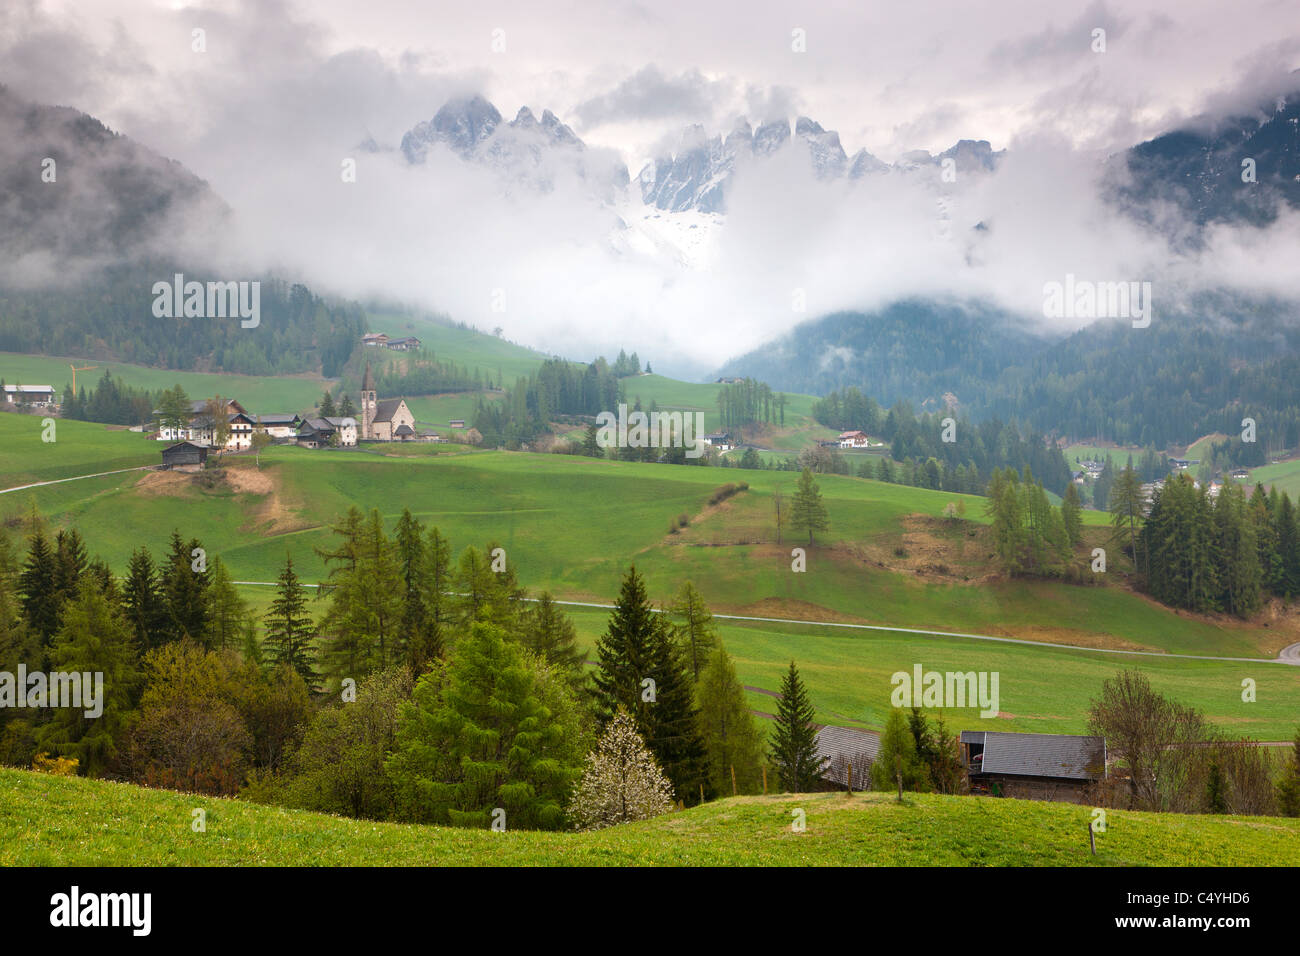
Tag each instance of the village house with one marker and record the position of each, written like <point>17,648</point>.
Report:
<point>1058,767</point>
<point>41,396</point>
<point>320,432</point>
<point>387,420</point>
<point>201,431</point>
<point>854,439</point>
<point>1240,474</point>
<point>184,456</point>
<point>374,339</point>
<point>408,344</point>
<point>280,426</point>
<point>720,440</point>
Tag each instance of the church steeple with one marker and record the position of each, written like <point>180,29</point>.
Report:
<point>368,405</point>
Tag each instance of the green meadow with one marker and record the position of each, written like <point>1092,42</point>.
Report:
<point>1285,476</point>
<point>290,393</point>
<point>71,821</point>
<point>572,525</point>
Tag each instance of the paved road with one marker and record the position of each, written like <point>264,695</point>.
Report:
<point>1293,651</point>
<point>57,481</point>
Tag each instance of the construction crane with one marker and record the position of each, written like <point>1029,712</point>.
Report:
<point>75,370</point>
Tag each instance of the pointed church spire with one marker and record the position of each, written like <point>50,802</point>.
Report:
<point>367,383</point>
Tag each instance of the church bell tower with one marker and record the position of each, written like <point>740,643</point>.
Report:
<point>367,405</point>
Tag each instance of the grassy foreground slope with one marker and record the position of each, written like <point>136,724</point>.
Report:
<point>76,822</point>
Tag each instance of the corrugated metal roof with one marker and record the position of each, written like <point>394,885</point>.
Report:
<point>844,745</point>
<point>1043,755</point>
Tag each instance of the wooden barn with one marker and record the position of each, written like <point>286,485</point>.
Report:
<point>184,456</point>
<point>848,754</point>
<point>1056,767</point>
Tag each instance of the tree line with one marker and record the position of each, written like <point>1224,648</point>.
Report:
<point>423,687</point>
<point>112,315</point>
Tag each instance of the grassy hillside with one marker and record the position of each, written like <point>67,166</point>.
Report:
<point>572,525</point>
<point>1284,475</point>
<point>79,448</point>
<point>256,393</point>
<point>48,821</point>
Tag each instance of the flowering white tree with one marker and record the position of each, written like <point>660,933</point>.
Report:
<point>622,782</point>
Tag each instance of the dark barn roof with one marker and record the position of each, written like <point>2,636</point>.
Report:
<point>842,746</point>
<point>184,453</point>
<point>1063,756</point>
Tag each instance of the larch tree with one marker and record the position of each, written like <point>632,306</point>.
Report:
<point>807,511</point>
<point>695,628</point>
<point>733,742</point>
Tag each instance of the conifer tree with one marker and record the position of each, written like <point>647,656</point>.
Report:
<point>622,652</point>
<point>794,739</point>
<point>184,588</point>
<point>327,409</point>
<point>695,628</point>
<point>897,754</point>
<point>415,630</point>
<point>289,627</point>
<point>39,593</point>
<point>480,738</point>
<point>732,740</point>
<point>548,633</point>
<point>1126,507</point>
<point>640,671</point>
<point>1072,515</point>
<point>143,602</point>
<point>807,511</point>
<point>94,638</point>
<point>227,611</point>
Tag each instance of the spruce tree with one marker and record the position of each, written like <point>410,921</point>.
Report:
<point>39,593</point>
<point>640,671</point>
<point>622,652</point>
<point>415,630</point>
<point>143,603</point>
<point>327,409</point>
<point>185,591</point>
<point>794,738</point>
<point>289,627</point>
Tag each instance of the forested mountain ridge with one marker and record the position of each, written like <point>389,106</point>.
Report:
<point>1194,371</point>
<point>90,220</point>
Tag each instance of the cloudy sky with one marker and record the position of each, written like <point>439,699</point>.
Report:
<point>283,92</point>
